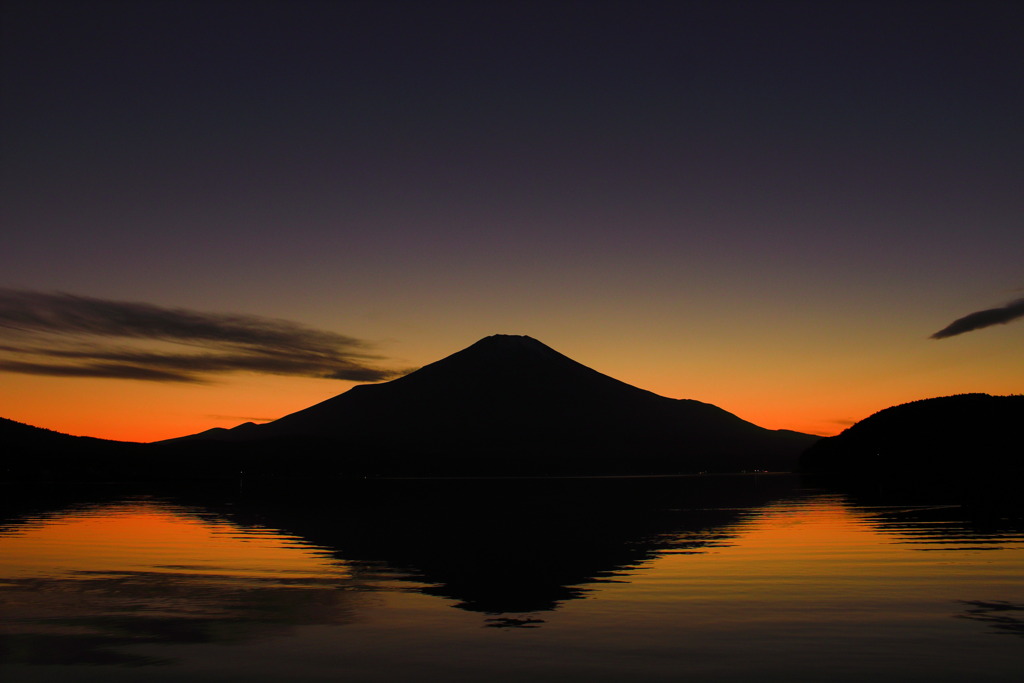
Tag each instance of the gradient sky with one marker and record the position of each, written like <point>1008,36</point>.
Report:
<point>768,206</point>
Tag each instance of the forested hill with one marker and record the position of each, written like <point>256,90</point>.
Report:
<point>966,435</point>
<point>36,452</point>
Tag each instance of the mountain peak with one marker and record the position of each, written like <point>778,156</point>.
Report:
<point>509,342</point>
<point>500,359</point>
<point>498,338</point>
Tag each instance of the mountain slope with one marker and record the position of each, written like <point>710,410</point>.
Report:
<point>957,434</point>
<point>42,453</point>
<point>512,405</point>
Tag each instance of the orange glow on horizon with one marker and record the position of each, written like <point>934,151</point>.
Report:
<point>144,412</point>
<point>772,386</point>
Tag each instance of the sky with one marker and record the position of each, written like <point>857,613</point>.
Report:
<point>218,212</point>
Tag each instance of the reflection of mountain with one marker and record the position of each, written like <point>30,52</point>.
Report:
<point>520,545</point>
<point>510,549</point>
<point>511,405</point>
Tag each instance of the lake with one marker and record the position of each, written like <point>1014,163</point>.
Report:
<point>756,577</point>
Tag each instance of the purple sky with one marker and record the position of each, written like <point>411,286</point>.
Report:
<point>739,202</point>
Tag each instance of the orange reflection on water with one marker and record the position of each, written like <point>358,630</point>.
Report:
<point>818,556</point>
<point>150,536</point>
<point>815,545</point>
<point>806,551</point>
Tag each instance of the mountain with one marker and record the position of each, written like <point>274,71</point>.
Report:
<point>42,453</point>
<point>954,433</point>
<point>964,444</point>
<point>506,405</point>
<point>37,441</point>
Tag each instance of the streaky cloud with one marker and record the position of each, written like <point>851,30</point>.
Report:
<point>981,319</point>
<point>65,335</point>
<point>68,313</point>
<point>252,360</point>
<point>102,370</point>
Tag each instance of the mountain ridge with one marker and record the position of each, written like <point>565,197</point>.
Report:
<point>507,405</point>
<point>924,434</point>
<point>964,447</point>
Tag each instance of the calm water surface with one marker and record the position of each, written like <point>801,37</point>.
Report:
<point>696,579</point>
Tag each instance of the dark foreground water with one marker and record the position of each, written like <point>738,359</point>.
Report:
<point>691,579</point>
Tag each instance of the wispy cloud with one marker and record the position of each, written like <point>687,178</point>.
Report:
<point>65,335</point>
<point>981,319</point>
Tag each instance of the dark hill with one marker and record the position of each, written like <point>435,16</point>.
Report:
<point>511,405</point>
<point>20,437</point>
<point>955,443</point>
<point>34,452</point>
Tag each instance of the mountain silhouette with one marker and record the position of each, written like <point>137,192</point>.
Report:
<point>35,452</point>
<point>948,432</point>
<point>967,444</point>
<point>510,405</point>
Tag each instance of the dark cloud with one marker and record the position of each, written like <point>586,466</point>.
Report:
<point>70,336</point>
<point>107,370</point>
<point>981,319</point>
